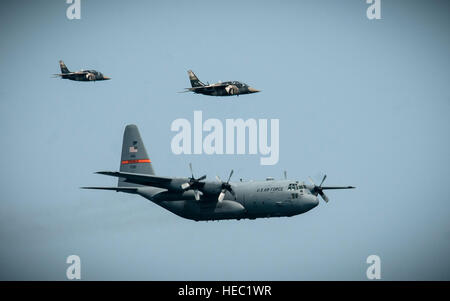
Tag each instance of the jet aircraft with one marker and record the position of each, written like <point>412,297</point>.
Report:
<point>196,199</point>
<point>228,88</point>
<point>82,75</point>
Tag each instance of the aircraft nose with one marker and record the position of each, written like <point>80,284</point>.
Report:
<point>106,77</point>
<point>311,202</point>
<point>252,90</point>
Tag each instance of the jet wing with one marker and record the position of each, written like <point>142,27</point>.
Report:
<point>143,179</point>
<point>71,73</point>
<point>218,85</point>
<point>210,87</point>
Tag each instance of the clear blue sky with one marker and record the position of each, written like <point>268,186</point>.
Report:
<point>366,102</point>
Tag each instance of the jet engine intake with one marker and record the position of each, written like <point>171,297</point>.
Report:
<point>232,89</point>
<point>90,76</point>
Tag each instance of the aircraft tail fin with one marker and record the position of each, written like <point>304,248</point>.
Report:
<point>134,156</point>
<point>195,82</point>
<point>63,67</point>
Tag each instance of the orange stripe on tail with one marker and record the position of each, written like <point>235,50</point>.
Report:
<point>136,161</point>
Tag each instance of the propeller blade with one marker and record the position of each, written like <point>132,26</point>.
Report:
<point>201,178</point>
<point>221,195</point>
<point>324,177</point>
<point>285,175</point>
<point>312,182</point>
<point>185,185</point>
<point>190,168</point>
<point>324,196</point>
<point>231,173</point>
<point>197,195</point>
<point>225,186</point>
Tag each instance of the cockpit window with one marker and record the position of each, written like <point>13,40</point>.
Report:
<point>292,186</point>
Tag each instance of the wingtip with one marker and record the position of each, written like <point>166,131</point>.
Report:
<point>102,172</point>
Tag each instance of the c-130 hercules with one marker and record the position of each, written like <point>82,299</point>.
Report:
<point>199,200</point>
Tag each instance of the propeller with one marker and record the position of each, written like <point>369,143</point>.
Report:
<point>225,187</point>
<point>319,189</point>
<point>285,175</point>
<point>193,184</point>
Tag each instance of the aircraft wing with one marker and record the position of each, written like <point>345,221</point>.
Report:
<point>121,189</point>
<point>210,87</point>
<point>71,73</point>
<point>338,187</point>
<point>143,179</point>
<point>219,85</point>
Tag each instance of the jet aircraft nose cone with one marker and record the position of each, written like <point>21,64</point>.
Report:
<point>106,77</point>
<point>252,90</point>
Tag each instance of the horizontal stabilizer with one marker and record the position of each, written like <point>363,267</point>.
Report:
<point>121,189</point>
<point>142,179</point>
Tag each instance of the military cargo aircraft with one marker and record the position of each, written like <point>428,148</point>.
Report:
<point>196,199</point>
<point>82,75</point>
<point>219,89</point>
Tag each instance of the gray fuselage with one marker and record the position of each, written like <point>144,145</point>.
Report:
<point>199,199</point>
<point>254,199</point>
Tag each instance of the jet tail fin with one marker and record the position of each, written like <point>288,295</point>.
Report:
<point>134,156</point>
<point>63,67</point>
<point>195,82</point>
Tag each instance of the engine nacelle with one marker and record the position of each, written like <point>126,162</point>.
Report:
<point>90,76</point>
<point>232,89</point>
<point>228,208</point>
